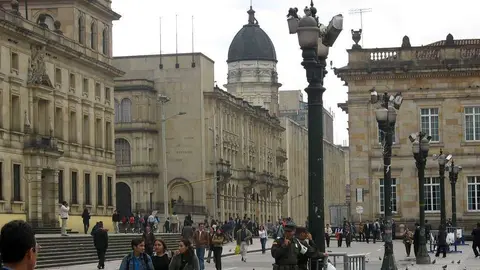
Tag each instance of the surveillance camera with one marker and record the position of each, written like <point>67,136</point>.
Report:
<point>412,137</point>
<point>429,138</point>
<point>333,30</point>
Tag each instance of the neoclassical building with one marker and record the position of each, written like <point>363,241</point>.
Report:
<point>57,112</point>
<point>440,87</point>
<point>221,146</point>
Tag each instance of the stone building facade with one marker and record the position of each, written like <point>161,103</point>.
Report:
<point>221,141</point>
<point>56,120</point>
<point>292,106</point>
<point>439,83</point>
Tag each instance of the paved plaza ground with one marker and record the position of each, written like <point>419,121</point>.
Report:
<point>374,253</point>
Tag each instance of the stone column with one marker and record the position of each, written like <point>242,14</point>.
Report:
<point>34,116</point>
<point>222,205</point>
<point>34,183</point>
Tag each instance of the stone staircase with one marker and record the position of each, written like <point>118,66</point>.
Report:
<point>52,230</point>
<point>59,250</point>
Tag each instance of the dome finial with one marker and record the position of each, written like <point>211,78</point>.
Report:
<point>251,15</point>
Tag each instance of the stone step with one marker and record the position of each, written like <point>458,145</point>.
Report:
<point>52,231</point>
<point>58,251</point>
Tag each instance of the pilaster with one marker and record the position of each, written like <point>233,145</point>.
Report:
<point>34,182</point>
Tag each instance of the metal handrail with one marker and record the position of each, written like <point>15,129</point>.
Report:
<point>349,261</point>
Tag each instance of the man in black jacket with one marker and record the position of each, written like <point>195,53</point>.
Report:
<point>311,251</point>
<point>476,240</point>
<point>100,241</point>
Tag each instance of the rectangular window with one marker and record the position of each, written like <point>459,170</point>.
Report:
<point>14,63</point>
<point>99,190</point>
<point>87,187</point>
<point>381,136</point>
<point>98,133</point>
<point>74,188</point>
<point>110,191</point>
<point>429,122</point>
<point>61,186</point>
<point>107,94</point>
<point>86,130</point>
<point>473,196</point>
<point>472,123</point>
<point>73,83</point>
<point>58,76</point>
<point>85,87</point>
<point>15,114</point>
<point>98,90</point>
<point>108,136</point>
<point>432,194</point>
<point>382,196</point>
<point>17,194</point>
<point>1,181</point>
<point>72,127</point>
<point>58,123</point>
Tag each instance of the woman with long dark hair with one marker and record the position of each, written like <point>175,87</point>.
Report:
<point>185,258</point>
<point>161,256</point>
<point>218,239</point>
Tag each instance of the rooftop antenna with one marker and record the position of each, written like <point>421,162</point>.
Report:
<point>193,45</point>
<point>177,65</point>
<point>361,11</point>
<point>160,65</point>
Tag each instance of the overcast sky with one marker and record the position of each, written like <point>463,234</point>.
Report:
<point>217,21</point>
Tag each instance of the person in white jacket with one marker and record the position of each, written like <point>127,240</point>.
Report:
<point>64,209</point>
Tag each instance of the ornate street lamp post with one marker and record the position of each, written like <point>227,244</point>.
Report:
<point>420,147</point>
<point>442,161</point>
<point>453,171</point>
<point>314,40</point>
<point>386,116</point>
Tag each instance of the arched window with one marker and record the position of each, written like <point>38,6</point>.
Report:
<point>118,117</point>
<point>122,152</point>
<point>93,36</point>
<point>105,41</point>
<point>126,110</point>
<point>81,30</point>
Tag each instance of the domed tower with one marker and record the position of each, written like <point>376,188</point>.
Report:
<point>252,66</point>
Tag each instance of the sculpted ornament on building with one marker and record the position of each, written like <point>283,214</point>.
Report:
<point>37,73</point>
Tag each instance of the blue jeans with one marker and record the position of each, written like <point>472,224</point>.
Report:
<point>263,241</point>
<point>201,257</point>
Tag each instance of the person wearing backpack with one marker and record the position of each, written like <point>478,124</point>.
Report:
<point>137,259</point>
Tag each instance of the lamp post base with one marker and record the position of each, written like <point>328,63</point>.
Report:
<point>422,256</point>
<point>389,262</point>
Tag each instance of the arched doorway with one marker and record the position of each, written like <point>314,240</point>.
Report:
<point>124,199</point>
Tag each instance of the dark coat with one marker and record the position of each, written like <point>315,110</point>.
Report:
<point>100,239</point>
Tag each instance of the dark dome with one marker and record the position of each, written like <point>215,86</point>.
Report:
<point>251,43</point>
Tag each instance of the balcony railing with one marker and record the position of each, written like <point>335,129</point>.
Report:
<point>137,169</point>
<point>42,143</point>
<point>136,126</point>
<point>179,208</point>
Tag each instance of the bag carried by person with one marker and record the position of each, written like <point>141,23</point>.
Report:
<point>237,250</point>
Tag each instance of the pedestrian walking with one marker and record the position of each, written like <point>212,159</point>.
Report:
<point>86,220</point>
<point>161,256</point>
<point>476,240</point>
<point>407,241</point>
<point>116,221</point>
<point>201,239</point>
<point>243,238</point>
<point>211,232</point>
<point>149,239</point>
<point>64,209</point>
<point>137,259</point>
<point>18,246</point>
<point>218,240</point>
<point>184,258</point>
<point>262,233</point>
<point>328,232</point>
<point>339,236</point>
<point>100,241</point>
<point>442,245</point>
